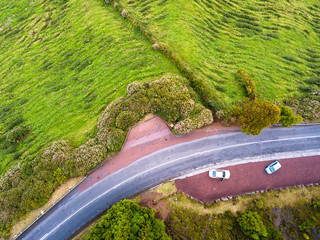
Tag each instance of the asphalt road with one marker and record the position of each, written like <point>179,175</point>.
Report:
<point>79,207</point>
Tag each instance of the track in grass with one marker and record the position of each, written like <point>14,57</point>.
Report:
<point>62,62</point>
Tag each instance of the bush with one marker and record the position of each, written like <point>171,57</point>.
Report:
<point>273,233</point>
<point>108,119</point>
<point>288,117</point>
<point>115,139</point>
<point>252,225</point>
<point>255,115</point>
<point>88,156</point>
<point>127,220</point>
<point>248,83</point>
<point>197,121</point>
<point>126,119</point>
<point>16,134</point>
<point>167,97</point>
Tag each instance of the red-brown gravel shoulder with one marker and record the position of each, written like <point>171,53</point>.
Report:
<point>252,177</point>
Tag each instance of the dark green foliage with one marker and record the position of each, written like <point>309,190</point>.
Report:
<point>273,233</point>
<point>115,139</point>
<point>127,220</point>
<point>183,223</point>
<point>298,220</point>
<point>255,115</point>
<point>186,224</point>
<point>15,122</point>
<point>252,225</point>
<point>288,117</point>
<point>126,119</point>
<point>248,83</point>
<point>315,204</point>
<point>307,225</point>
<point>168,97</point>
<point>16,134</point>
<point>29,184</point>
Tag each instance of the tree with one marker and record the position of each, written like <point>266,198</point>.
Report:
<point>256,114</point>
<point>288,117</point>
<point>127,220</point>
<point>252,225</point>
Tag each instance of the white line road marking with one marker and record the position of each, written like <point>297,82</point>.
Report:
<point>166,163</point>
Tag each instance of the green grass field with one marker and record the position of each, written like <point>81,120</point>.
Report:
<point>62,62</point>
<point>276,41</point>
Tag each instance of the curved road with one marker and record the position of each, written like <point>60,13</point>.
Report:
<point>78,207</point>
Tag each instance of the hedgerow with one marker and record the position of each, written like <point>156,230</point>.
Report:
<point>29,184</point>
<point>248,83</point>
<point>206,90</point>
<point>168,97</point>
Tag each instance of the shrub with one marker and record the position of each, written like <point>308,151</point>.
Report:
<point>108,119</point>
<point>188,124</point>
<point>16,134</point>
<point>167,97</point>
<point>126,119</point>
<point>252,225</point>
<point>307,225</point>
<point>255,115</point>
<point>57,154</point>
<point>134,88</point>
<point>288,117</point>
<point>220,114</point>
<point>248,83</point>
<point>127,220</point>
<point>273,233</point>
<point>115,139</point>
<point>88,155</point>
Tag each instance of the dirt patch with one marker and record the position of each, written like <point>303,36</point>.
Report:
<point>276,216</point>
<point>30,217</point>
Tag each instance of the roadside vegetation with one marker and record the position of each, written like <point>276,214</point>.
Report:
<point>287,214</point>
<point>292,213</point>
<point>127,220</point>
<point>30,183</point>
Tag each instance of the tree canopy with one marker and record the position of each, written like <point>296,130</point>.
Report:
<point>256,114</point>
<point>127,220</point>
<point>288,117</point>
<point>252,225</point>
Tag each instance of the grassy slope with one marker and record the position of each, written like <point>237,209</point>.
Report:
<point>276,42</point>
<point>62,62</point>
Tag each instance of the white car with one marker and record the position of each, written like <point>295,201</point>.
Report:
<point>216,173</point>
<point>273,167</point>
